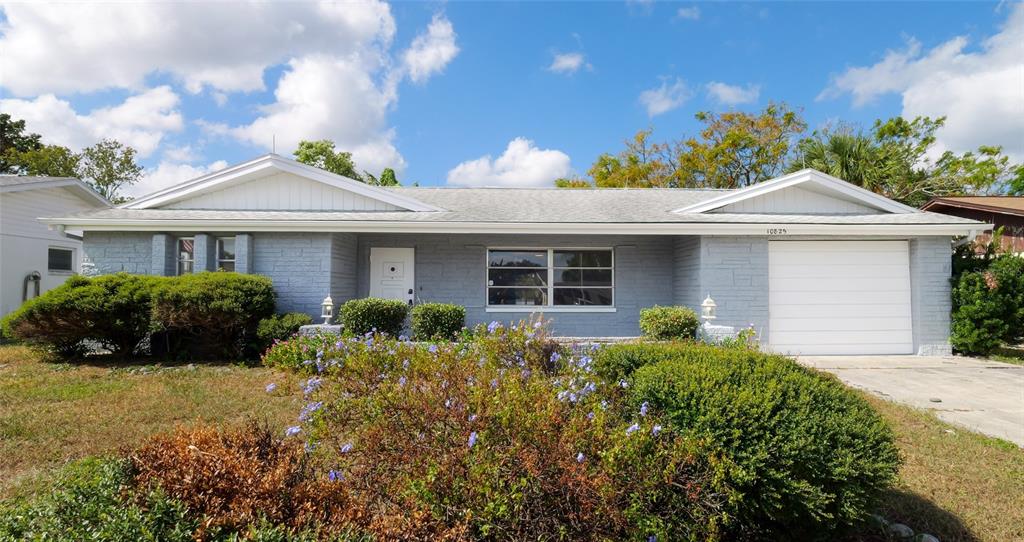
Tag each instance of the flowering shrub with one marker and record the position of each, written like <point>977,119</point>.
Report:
<point>668,323</point>
<point>298,353</point>
<point>280,327</point>
<point>371,314</point>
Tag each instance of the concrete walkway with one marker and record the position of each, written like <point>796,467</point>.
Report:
<point>984,396</point>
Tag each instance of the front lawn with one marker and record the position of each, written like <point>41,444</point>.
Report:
<point>954,484</point>
<point>51,413</point>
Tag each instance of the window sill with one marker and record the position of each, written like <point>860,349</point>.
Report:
<point>543,309</point>
<point>60,272</point>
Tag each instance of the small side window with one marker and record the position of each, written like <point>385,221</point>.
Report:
<point>226,253</point>
<point>61,260</point>
<point>186,255</point>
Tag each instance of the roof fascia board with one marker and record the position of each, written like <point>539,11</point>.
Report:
<point>972,206</point>
<point>272,161</point>
<point>83,190</point>
<point>910,230</point>
<point>796,178</point>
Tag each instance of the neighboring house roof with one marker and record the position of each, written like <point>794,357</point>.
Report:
<point>20,183</point>
<point>1010,205</point>
<point>531,210</point>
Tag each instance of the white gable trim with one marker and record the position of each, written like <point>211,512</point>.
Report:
<point>853,191</point>
<point>80,188</point>
<point>267,163</point>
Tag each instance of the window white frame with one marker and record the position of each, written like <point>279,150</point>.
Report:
<point>179,261</point>
<point>71,266</point>
<point>217,253</point>
<point>550,306</point>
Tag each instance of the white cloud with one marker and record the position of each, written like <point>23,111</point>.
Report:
<point>691,13</point>
<point>168,173</point>
<point>432,51</point>
<point>733,94</point>
<point>980,92</point>
<point>223,45</point>
<point>522,164</point>
<point>141,121</point>
<point>568,63</point>
<point>665,98</point>
<point>184,153</point>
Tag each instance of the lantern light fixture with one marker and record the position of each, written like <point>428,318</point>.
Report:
<point>327,309</point>
<point>708,309</point>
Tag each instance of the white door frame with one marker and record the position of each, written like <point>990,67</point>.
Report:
<point>393,273</point>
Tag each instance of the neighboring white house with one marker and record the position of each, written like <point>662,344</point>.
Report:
<point>29,248</point>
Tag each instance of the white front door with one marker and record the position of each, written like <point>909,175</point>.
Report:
<point>392,273</point>
<point>839,297</point>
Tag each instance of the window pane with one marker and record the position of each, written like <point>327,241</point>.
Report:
<point>184,267</point>
<point>597,277</point>
<point>568,277</point>
<point>227,265</point>
<point>583,258</point>
<point>517,277</point>
<point>59,259</point>
<point>185,249</point>
<point>518,258</point>
<point>583,296</point>
<point>226,248</point>
<point>517,296</point>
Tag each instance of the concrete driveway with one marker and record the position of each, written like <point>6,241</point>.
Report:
<point>984,396</point>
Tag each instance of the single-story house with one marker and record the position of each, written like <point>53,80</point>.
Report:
<point>33,257</point>
<point>814,264</point>
<point>1006,212</point>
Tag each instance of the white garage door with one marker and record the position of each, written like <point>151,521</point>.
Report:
<point>839,297</point>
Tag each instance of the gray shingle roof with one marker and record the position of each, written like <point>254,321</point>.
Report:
<point>545,205</point>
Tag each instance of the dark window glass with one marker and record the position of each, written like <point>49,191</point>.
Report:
<point>517,296</point>
<point>60,259</point>
<point>583,296</point>
<point>518,258</point>
<point>186,252</point>
<point>583,277</point>
<point>226,253</point>
<point>583,258</point>
<point>517,277</point>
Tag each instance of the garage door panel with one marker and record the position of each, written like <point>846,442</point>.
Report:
<point>838,323</point>
<point>839,297</point>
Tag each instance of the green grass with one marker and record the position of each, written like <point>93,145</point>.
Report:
<point>954,484</point>
<point>52,413</point>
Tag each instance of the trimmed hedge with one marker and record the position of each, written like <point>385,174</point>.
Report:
<point>280,327</point>
<point>213,313</point>
<point>668,323</point>
<point>111,310</point>
<point>437,320</point>
<point>361,316</point>
<point>988,307</point>
<point>811,456</point>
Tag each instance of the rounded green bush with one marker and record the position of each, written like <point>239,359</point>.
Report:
<point>437,320</point>
<point>280,327</point>
<point>668,323</point>
<point>811,456</point>
<point>988,307</point>
<point>370,314</point>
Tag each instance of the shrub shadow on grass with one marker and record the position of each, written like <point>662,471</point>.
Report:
<point>920,514</point>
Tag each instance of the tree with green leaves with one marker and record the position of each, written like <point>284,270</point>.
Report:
<point>387,178</point>
<point>321,154</point>
<point>109,166</point>
<point>47,160</point>
<point>895,159</point>
<point>642,164</point>
<point>13,141</point>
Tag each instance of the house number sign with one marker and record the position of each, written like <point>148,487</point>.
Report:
<point>777,231</point>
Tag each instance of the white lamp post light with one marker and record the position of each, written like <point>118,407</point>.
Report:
<point>327,309</point>
<point>707,309</point>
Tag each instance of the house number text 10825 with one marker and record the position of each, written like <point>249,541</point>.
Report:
<point>777,231</point>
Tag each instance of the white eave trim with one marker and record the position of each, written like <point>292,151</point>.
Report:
<point>766,229</point>
<point>277,163</point>
<point>865,196</point>
<point>80,187</point>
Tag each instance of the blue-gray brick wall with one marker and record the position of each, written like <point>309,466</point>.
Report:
<point>344,266</point>
<point>734,271</point>
<point>113,252</point>
<point>930,270</point>
<point>686,266</point>
<point>452,269</point>
<point>300,266</point>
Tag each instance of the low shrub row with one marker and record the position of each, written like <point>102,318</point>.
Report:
<point>668,323</point>
<point>203,315</point>
<point>429,320</point>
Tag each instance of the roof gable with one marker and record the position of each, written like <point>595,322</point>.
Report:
<point>16,183</point>
<point>804,192</point>
<point>275,183</point>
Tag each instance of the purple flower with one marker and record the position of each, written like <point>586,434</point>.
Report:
<point>643,408</point>
<point>335,476</point>
<point>292,431</point>
<point>493,326</point>
<point>655,430</point>
<point>447,403</point>
<point>311,385</point>
<point>494,383</point>
<point>401,381</point>
<point>271,387</point>
<point>472,418</point>
<point>472,439</point>
<point>632,428</point>
<point>623,384</point>
<point>432,349</point>
<point>346,448</point>
<point>580,457</point>
<point>652,538</point>
<point>590,416</point>
<point>555,356</point>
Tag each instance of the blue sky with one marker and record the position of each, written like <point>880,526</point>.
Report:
<point>439,85</point>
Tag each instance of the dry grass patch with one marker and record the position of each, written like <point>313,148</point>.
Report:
<point>51,413</point>
<point>954,484</point>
